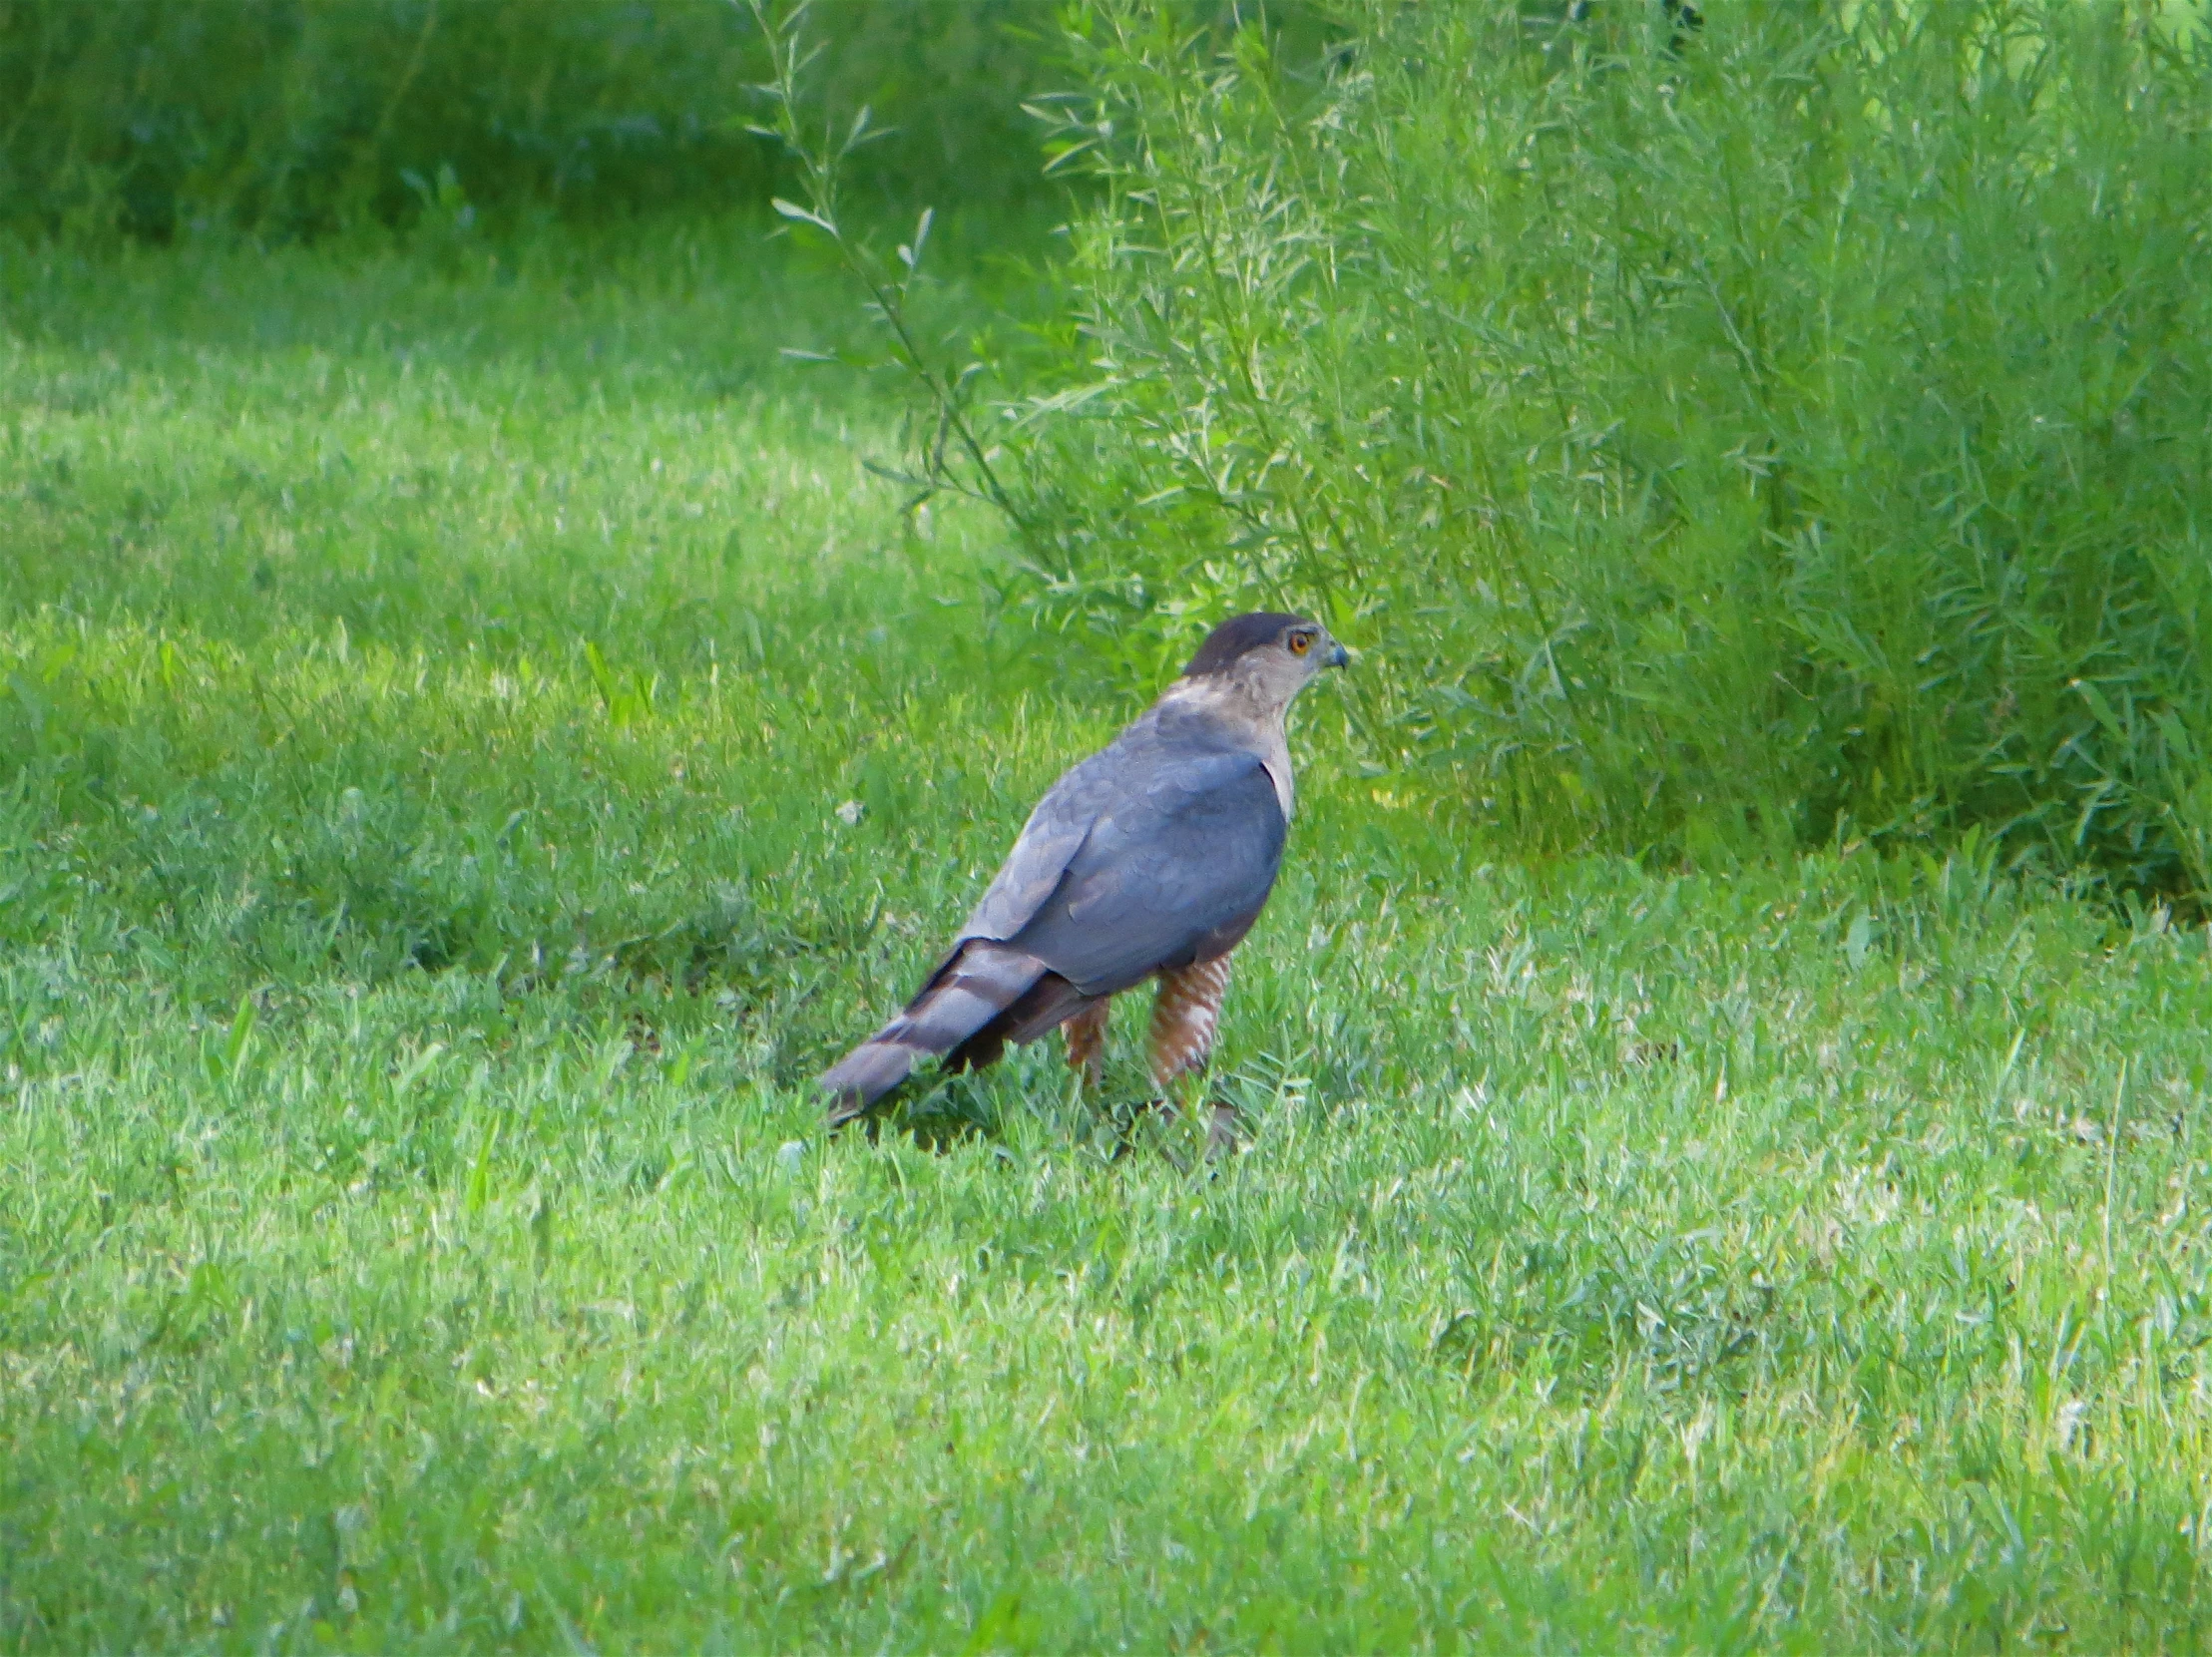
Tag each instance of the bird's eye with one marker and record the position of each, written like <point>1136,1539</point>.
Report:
<point>1300,643</point>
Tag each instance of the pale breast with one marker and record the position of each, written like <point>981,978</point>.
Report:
<point>1276,757</point>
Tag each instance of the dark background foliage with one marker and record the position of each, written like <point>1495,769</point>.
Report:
<point>293,118</point>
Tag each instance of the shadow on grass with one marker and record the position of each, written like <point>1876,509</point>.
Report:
<point>945,1113</point>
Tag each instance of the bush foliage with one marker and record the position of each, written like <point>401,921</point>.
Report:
<point>1793,425</point>
<point>289,117</point>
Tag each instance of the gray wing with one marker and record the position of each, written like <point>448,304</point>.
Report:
<point>1055,832</point>
<point>1174,869</point>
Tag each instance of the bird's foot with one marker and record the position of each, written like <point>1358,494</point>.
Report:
<point>1128,1121</point>
<point>1222,1137</point>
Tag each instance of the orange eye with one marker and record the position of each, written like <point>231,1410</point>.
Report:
<point>1300,643</point>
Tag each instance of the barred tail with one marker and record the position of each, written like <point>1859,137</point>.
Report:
<point>961,1002</point>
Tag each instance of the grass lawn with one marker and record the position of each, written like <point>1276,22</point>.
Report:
<point>428,686</point>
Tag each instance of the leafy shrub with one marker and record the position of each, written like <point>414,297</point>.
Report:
<point>289,117</point>
<point>1790,426</point>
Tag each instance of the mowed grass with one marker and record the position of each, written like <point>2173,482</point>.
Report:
<point>432,687</point>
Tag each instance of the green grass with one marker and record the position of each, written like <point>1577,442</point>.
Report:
<point>430,689</point>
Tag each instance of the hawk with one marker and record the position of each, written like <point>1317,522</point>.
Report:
<point>1151,859</point>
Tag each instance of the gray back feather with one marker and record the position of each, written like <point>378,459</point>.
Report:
<point>1159,850</point>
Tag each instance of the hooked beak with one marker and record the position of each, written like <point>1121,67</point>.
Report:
<point>1339,656</point>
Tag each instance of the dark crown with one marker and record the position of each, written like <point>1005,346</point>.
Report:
<point>1238,634</point>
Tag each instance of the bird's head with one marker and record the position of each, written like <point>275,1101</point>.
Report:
<point>1271,655</point>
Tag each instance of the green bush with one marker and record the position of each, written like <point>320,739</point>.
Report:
<point>290,118</point>
<point>1790,426</point>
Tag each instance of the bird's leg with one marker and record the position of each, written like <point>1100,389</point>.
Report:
<point>1185,1014</point>
<point>1086,1037</point>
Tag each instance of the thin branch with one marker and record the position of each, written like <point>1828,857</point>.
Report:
<point>820,167</point>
